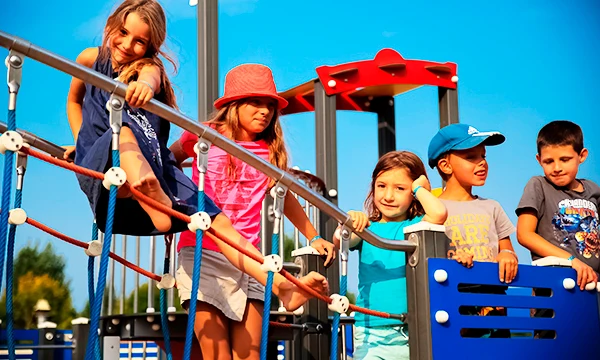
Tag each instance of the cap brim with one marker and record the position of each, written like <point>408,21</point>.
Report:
<point>281,102</point>
<point>487,139</point>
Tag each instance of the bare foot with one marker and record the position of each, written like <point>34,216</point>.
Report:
<point>150,186</point>
<point>293,297</point>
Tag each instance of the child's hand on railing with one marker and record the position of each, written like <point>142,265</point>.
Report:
<point>585,274</point>
<point>360,220</point>
<point>507,266</point>
<point>325,249</point>
<point>464,258</point>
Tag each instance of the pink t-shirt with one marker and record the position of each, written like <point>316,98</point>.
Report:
<point>240,200</point>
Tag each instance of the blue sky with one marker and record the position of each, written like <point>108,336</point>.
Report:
<point>520,65</point>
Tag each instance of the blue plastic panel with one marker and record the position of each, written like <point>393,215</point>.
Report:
<point>576,318</point>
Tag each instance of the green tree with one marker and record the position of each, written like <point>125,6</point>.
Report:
<point>40,274</point>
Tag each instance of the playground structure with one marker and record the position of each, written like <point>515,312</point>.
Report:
<point>433,297</point>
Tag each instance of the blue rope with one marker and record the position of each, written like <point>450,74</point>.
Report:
<point>336,321</point>
<point>97,308</point>
<point>264,337</point>
<point>189,333</point>
<point>6,190</point>
<point>10,318</point>
<point>163,313</point>
<point>91,266</point>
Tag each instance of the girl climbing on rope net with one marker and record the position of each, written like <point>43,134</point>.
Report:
<point>399,196</point>
<point>130,50</point>
<point>230,304</point>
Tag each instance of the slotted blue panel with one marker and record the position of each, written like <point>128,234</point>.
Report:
<point>22,337</point>
<point>576,319</point>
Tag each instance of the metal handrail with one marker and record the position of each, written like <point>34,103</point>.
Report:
<point>37,142</point>
<point>103,82</point>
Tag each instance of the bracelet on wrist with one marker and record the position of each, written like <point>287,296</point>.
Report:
<point>147,84</point>
<point>315,238</point>
<point>571,258</point>
<point>510,252</point>
<point>415,191</point>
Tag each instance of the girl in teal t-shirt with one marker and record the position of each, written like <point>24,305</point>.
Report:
<point>399,196</point>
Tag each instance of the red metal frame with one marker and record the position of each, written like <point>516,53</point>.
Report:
<point>388,74</point>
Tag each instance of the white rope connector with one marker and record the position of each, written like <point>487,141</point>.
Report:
<point>17,216</point>
<point>167,281</point>
<point>440,275</point>
<point>94,248</point>
<point>339,304</point>
<point>569,283</point>
<point>272,263</point>
<point>114,176</point>
<point>441,317</point>
<point>10,140</point>
<point>199,221</point>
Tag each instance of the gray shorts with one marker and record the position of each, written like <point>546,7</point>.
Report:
<point>221,284</point>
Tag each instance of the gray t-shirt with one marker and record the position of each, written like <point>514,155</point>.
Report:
<point>566,218</point>
<point>476,226</point>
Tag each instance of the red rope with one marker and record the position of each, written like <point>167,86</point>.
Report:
<point>212,233</point>
<point>81,244</point>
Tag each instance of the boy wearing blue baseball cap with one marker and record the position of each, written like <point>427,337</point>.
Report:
<point>478,228</point>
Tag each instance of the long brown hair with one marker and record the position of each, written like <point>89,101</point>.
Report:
<point>390,161</point>
<point>226,121</point>
<point>152,14</point>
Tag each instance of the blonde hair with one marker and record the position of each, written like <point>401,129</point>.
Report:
<point>390,161</point>
<point>152,14</point>
<point>226,121</point>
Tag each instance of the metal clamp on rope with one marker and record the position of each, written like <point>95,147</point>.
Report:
<point>94,248</point>
<point>167,281</point>
<point>14,63</point>
<point>114,176</point>
<point>201,149</point>
<point>199,221</point>
<point>272,263</point>
<point>278,193</point>
<point>115,105</point>
<point>339,304</point>
<point>17,216</point>
<point>21,167</point>
<point>11,141</point>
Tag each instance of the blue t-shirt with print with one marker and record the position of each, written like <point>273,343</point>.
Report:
<point>382,275</point>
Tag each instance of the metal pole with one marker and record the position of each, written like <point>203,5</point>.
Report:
<point>137,276</point>
<point>296,232</point>
<point>152,270</point>
<point>171,299</point>
<point>448,102</point>
<point>123,273</point>
<point>111,277</point>
<point>307,211</point>
<point>386,123</point>
<point>325,128</point>
<point>208,56</point>
<point>432,244</point>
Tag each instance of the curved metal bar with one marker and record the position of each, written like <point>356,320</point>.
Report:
<point>103,82</point>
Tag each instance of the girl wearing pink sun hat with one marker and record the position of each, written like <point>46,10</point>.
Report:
<point>248,114</point>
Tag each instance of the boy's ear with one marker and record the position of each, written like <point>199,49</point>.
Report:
<point>537,157</point>
<point>444,165</point>
<point>583,155</point>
